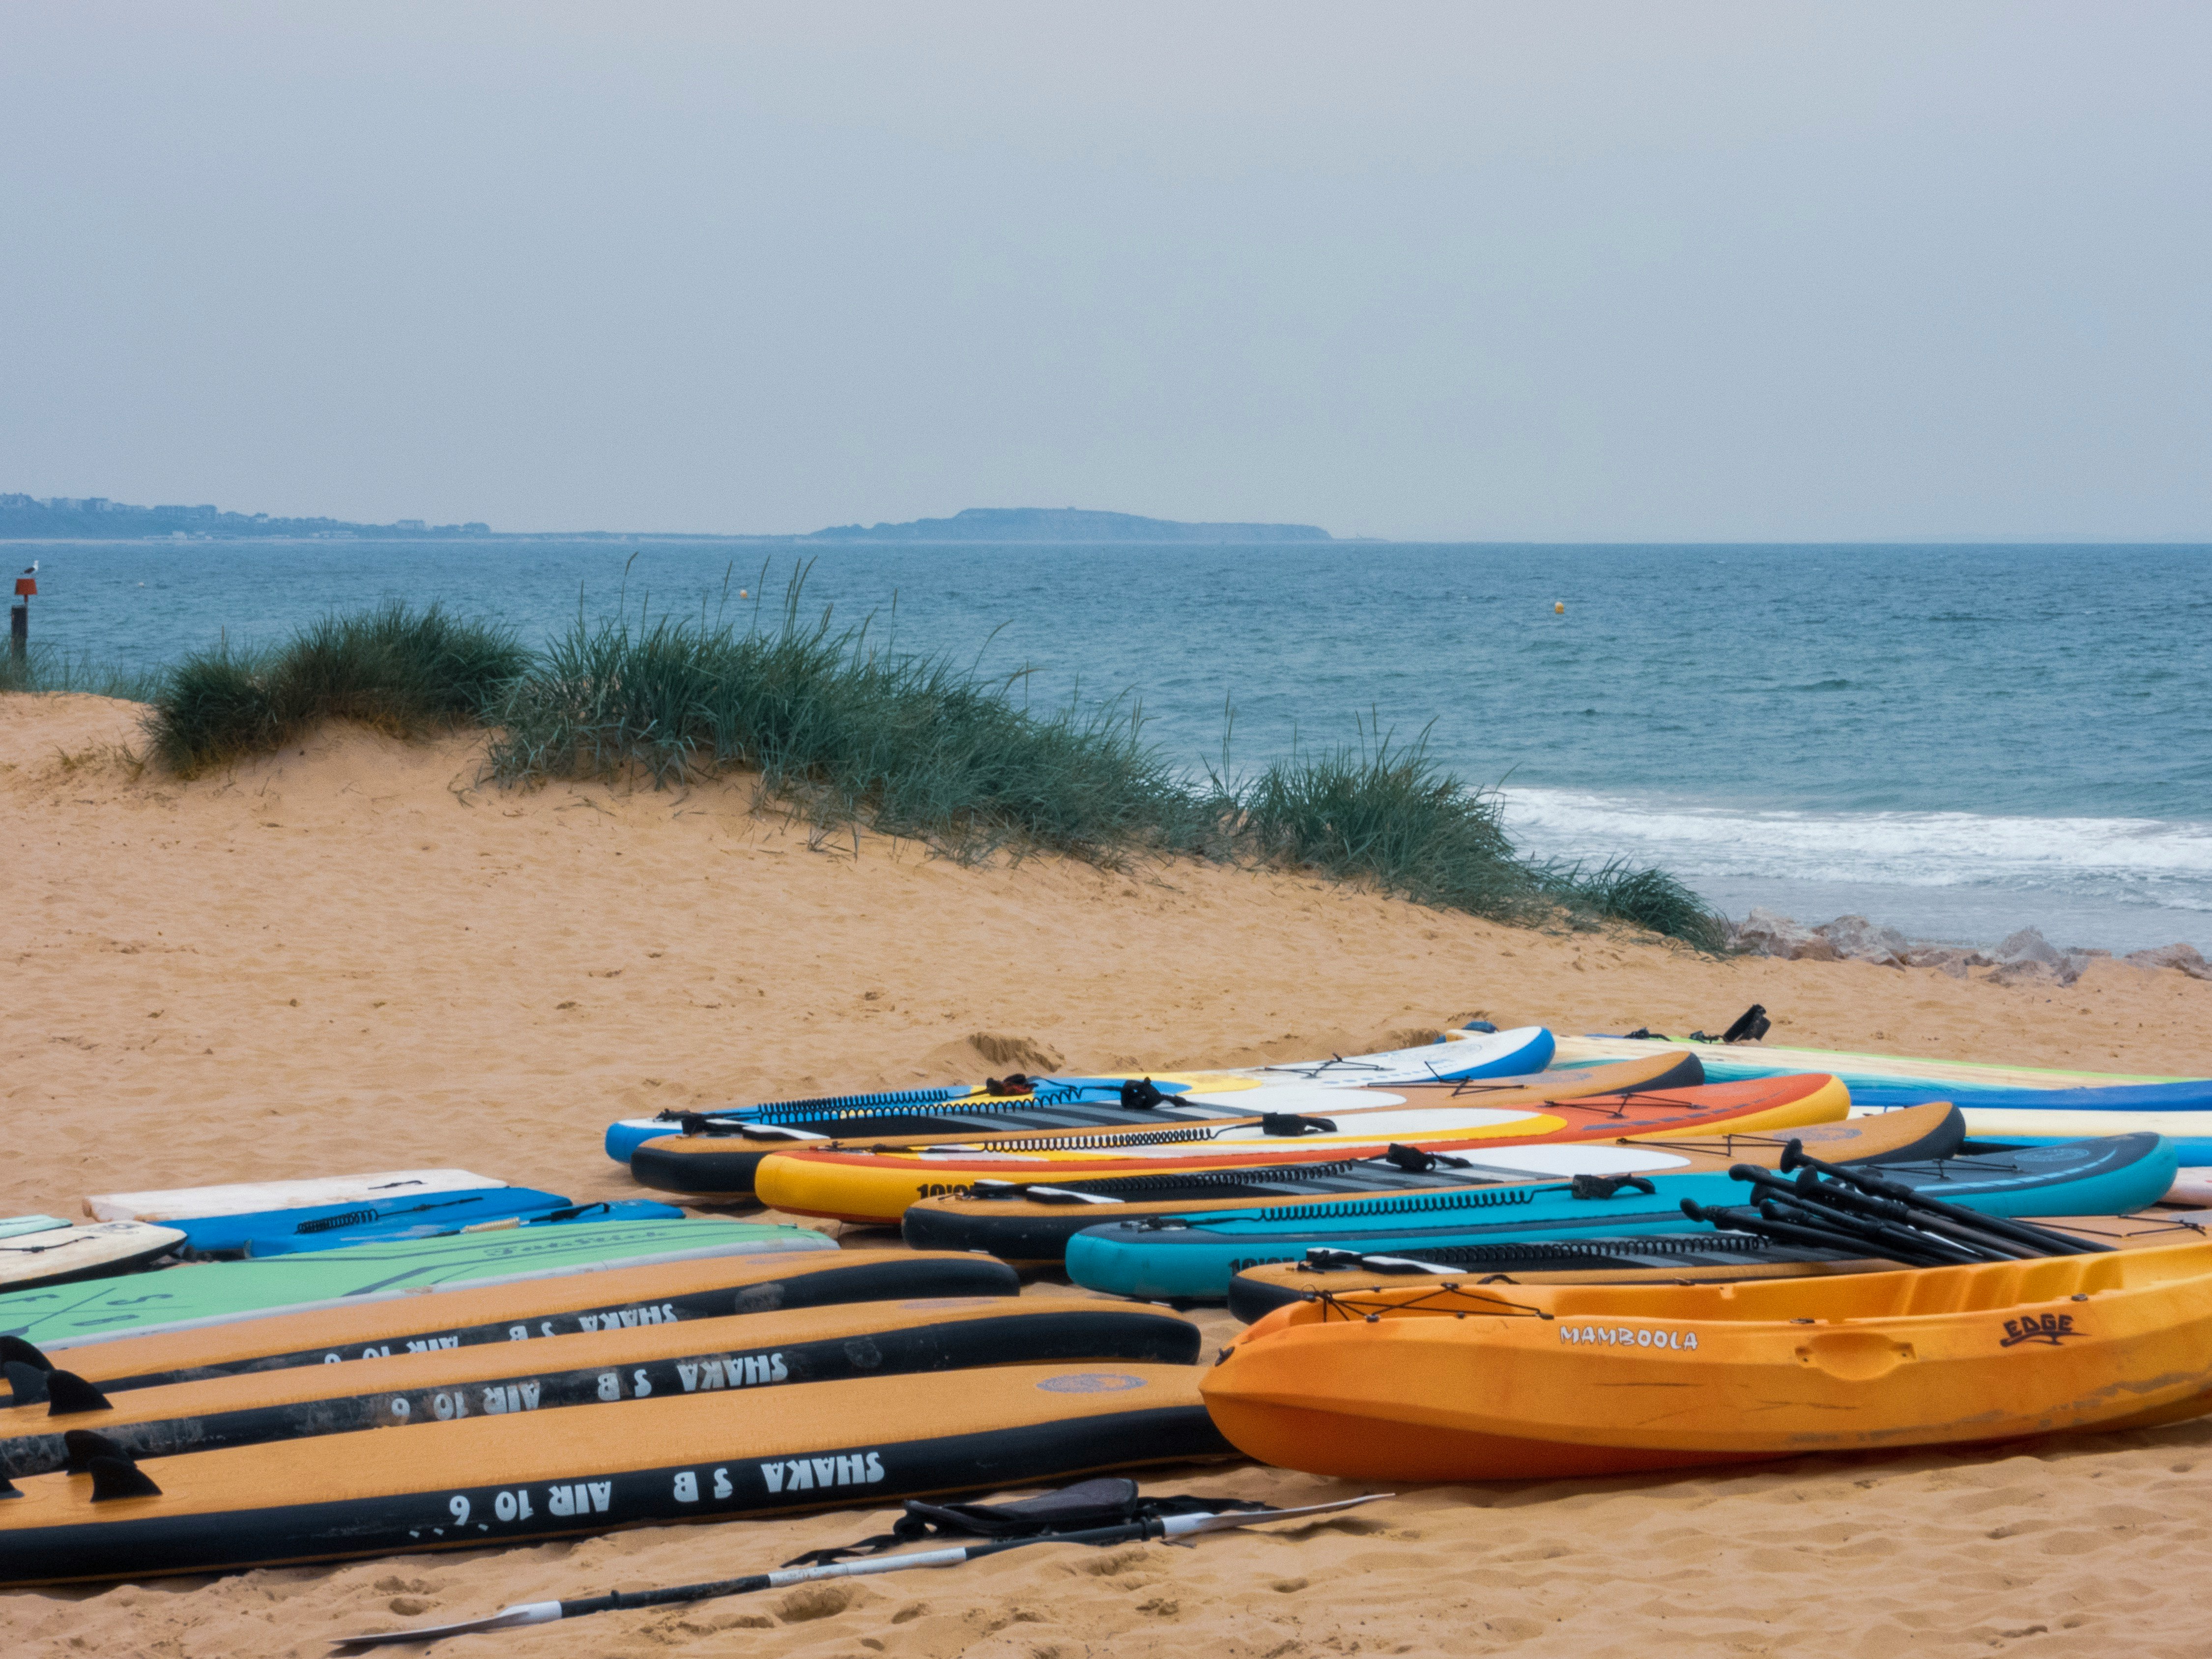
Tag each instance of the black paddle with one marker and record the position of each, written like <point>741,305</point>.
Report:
<point>545,1612</point>
<point>1795,1157</point>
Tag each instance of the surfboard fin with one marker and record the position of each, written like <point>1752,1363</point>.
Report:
<point>82,1445</point>
<point>17,1351</point>
<point>70,1393</point>
<point>9,1488</point>
<point>119,1477</point>
<point>28,1381</point>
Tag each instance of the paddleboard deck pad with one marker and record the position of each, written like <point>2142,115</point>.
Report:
<point>508,1480</point>
<point>668,1360</point>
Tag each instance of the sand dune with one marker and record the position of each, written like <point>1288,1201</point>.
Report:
<point>356,956</point>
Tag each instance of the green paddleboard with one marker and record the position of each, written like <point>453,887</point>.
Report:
<point>216,1292</point>
<point>14,1226</point>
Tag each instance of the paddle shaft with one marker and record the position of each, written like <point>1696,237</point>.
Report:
<point>1981,1228</point>
<point>1796,1157</point>
<point>680,1595</point>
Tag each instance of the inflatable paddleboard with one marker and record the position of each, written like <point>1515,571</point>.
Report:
<point>246,1196</point>
<point>215,1290</point>
<point>1858,1070</point>
<point>1519,1053</point>
<point>507,1479</point>
<point>753,1353</point>
<point>1030,1222</point>
<point>879,1186</point>
<point>2190,1132</point>
<point>568,1215</point>
<point>54,1256</point>
<point>612,1299</point>
<point>233,1233</point>
<point>1195,1257</point>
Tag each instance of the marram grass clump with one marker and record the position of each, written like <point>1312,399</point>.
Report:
<point>403,672</point>
<point>842,730</point>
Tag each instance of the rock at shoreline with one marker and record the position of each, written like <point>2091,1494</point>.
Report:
<point>2186,957</point>
<point>1861,940</point>
<point>2028,957</point>
<point>2029,945</point>
<point>2025,959</point>
<point>1773,934</point>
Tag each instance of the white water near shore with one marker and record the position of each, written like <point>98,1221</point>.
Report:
<point>2119,884</point>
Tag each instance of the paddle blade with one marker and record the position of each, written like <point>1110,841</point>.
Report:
<point>522,1612</point>
<point>1184,1526</point>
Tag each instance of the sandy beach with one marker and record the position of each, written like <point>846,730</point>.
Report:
<point>356,955</point>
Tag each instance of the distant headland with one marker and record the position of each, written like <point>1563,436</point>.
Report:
<point>1064,523</point>
<point>95,518</point>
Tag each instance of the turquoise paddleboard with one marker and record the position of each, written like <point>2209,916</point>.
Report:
<point>14,1226</point>
<point>216,1292</point>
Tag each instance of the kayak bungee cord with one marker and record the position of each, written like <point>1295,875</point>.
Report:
<point>1170,1527</point>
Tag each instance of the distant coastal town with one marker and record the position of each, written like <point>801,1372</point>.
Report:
<point>95,518</point>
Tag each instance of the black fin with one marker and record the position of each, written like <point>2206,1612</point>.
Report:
<point>9,1488</point>
<point>29,1382</point>
<point>1750,1025</point>
<point>82,1445</point>
<point>119,1477</point>
<point>71,1394</point>
<point>15,1350</point>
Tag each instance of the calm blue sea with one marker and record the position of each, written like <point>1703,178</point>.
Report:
<point>1955,740</point>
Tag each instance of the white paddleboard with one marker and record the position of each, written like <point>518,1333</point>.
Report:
<point>251,1197</point>
<point>39,1258</point>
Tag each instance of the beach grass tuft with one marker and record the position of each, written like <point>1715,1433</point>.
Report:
<point>402,671</point>
<point>842,729</point>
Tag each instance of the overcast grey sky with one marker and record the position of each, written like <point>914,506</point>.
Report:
<point>1552,271</point>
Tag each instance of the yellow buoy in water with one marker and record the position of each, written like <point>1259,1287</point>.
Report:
<point>1559,609</point>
